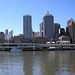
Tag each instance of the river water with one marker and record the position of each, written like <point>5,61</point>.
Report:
<point>37,63</point>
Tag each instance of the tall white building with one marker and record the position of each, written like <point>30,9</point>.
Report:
<point>6,33</point>
<point>11,33</point>
<point>27,26</point>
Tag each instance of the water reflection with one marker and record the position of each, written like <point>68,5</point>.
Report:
<point>11,63</point>
<point>37,63</point>
<point>28,63</point>
<point>66,63</point>
<point>53,63</point>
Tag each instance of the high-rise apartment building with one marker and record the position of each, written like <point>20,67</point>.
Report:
<point>48,26</point>
<point>56,30</point>
<point>70,31</point>
<point>2,36</point>
<point>27,26</point>
<point>41,29</point>
<point>6,33</point>
<point>11,33</point>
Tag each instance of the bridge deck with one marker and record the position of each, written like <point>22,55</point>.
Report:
<point>32,45</point>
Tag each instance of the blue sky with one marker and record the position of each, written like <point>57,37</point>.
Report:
<point>12,11</point>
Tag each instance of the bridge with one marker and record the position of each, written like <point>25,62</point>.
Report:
<point>33,46</point>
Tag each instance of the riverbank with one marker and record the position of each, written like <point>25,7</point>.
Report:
<point>41,49</point>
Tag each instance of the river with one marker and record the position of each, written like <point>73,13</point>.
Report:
<point>37,63</point>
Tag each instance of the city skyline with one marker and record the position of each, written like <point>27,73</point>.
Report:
<point>11,15</point>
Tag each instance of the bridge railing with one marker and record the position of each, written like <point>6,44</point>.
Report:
<point>25,45</point>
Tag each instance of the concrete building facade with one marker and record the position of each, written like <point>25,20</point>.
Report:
<point>21,39</point>
<point>48,26</point>
<point>40,40</point>
<point>27,26</point>
<point>56,30</point>
<point>70,21</point>
<point>2,38</point>
<point>63,40</point>
<point>11,33</point>
<point>41,29</point>
<point>6,33</point>
<point>70,31</point>
<point>35,34</point>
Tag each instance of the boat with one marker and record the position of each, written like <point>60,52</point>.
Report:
<point>16,50</point>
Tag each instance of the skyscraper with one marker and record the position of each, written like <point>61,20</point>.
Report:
<point>56,30</point>
<point>70,21</point>
<point>2,37</point>
<point>11,33</point>
<point>41,29</point>
<point>48,26</point>
<point>70,30</point>
<point>6,33</point>
<point>27,26</point>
